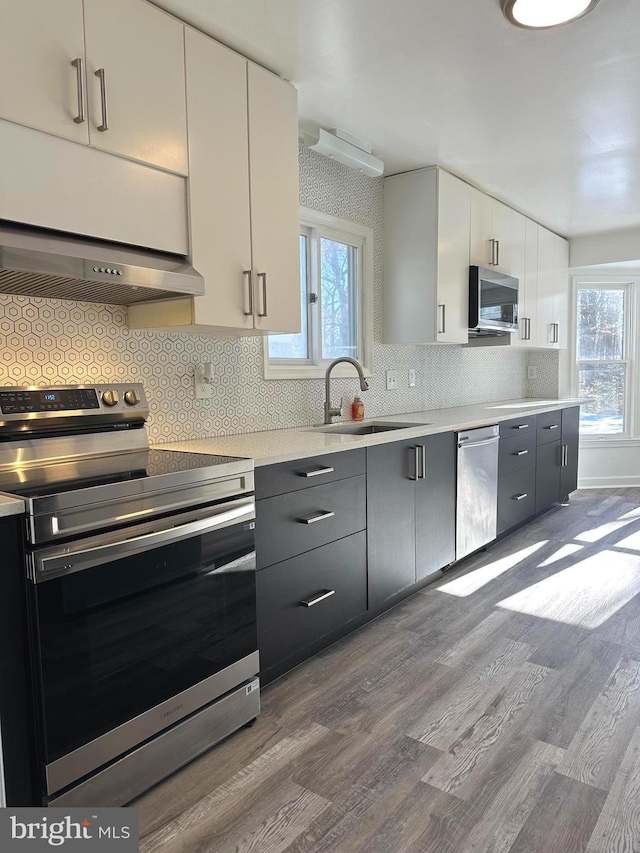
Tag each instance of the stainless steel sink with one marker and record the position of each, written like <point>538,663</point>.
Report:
<point>366,429</point>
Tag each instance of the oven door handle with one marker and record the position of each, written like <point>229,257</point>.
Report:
<point>53,566</point>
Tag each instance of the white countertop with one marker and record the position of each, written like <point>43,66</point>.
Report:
<point>10,506</point>
<point>283,445</point>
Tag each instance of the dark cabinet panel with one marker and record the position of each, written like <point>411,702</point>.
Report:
<point>307,597</point>
<point>391,529</point>
<point>435,497</point>
<point>518,426</point>
<point>291,524</point>
<point>516,498</point>
<point>306,473</point>
<point>548,475</point>
<point>570,441</point>
<point>517,453</point>
<point>549,427</point>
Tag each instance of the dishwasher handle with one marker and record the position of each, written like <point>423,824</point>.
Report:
<point>478,443</point>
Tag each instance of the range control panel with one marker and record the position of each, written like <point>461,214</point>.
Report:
<point>73,399</point>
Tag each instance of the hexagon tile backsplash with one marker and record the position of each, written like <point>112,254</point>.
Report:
<point>45,341</point>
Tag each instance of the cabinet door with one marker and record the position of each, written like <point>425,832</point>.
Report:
<point>548,475</point>
<point>480,247</point>
<point>518,269</point>
<point>454,214</point>
<point>391,526</point>
<point>436,506</point>
<point>219,180</point>
<point>502,222</point>
<point>545,315</point>
<point>38,83</point>
<point>531,282</point>
<point>561,290</point>
<point>141,50</point>
<point>273,171</point>
<point>570,441</point>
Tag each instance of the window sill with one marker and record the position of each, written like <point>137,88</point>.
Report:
<point>342,371</point>
<point>609,442</point>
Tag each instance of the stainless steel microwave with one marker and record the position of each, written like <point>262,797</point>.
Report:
<point>493,303</point>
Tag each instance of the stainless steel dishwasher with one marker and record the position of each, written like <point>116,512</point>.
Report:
<point>477,499</point>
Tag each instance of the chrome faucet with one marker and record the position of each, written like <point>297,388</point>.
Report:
<point>329,411</point>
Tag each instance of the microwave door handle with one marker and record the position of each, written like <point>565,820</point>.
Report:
<point>54,566</point>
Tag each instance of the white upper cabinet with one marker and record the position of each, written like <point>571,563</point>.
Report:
<point>531,332</point>
<point>561,290</point>
<point>275,205</point>
<point>136,82</point>
<point>243,199</point>
<point>426,257</point>
<point>109,73</point>
<point>491,240</point>
<point>518,270</point>
<point>545,336</point>
<point>39,85</point>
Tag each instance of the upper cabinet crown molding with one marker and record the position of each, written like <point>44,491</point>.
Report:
<point>105,73</point>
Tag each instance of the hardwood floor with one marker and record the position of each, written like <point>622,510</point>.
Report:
<point>497,710</point>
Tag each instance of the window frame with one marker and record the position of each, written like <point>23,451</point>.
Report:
<point>630,285</point>
<point>317,225</point>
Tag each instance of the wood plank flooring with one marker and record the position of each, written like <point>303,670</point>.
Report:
<point>496,711</point>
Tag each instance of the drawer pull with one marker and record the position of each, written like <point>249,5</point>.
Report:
<point>321,517</point>
<point>521,453</point>
<point>316,473</point>
<point>520,497</point>
<point>553,426</point>
<point>309,602</point>
<point>521,426</point>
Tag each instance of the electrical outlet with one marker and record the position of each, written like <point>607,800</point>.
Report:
<point>202,383</point>
<point>412,378</point>
<point>532,372</point>
<point>392,380</point>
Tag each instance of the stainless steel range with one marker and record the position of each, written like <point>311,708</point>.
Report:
<point>140,571</point>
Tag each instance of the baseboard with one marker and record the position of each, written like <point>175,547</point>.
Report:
<point>627,481</point>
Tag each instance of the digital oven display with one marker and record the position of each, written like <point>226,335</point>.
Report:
<point>21,401</point>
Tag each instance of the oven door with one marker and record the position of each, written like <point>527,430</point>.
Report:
<point>138,628</point>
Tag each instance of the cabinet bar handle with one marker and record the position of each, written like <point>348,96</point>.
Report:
<point>557,340</point>
<point>526,331</point>
<point>528,328</point>
<point>492,261</point>
<point>423,462</point>
<point>248,276</point>
<point>521,426</point>
<point>497,253</point>
<point>309,602</point>
<point>520,497</point>
<point>521,453</point>
<point>316,473</point>
<point>320,517</point>
<point>77,64</point>
<point>263,276</point>
<point>416,462</point>
<point>443,308</point>
<point>564,460</point>
<point>101,74</point>
<point>553,426</point>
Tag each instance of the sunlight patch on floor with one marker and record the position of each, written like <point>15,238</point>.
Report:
<point>560,554</point>
<point>631,542</point>
<point>598,533</point>
<point>586,594</point>
<point>475,580</point>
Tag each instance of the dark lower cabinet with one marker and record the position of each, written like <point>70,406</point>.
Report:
<point>391,519</point>
<point>307,597</point>
<point>410,513</point>
<point>570,443</point>
<point>436,506</point>
<point>516,498</point>
<point>548,472</point>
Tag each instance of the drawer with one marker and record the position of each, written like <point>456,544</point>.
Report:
<point>513,508</point>
<point>517,453</point>
<point>285,623</point>
<point>306,473</point>
<point>518,426</point>
<point>300,521</point>
<point>549,427</point>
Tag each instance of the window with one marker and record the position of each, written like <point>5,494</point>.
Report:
<point>335,274</point>
<point>603,362</point>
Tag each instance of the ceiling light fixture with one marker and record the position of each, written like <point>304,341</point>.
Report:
<point>545,14</point>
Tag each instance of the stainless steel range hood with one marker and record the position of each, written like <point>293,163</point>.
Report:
<point>36,262</point>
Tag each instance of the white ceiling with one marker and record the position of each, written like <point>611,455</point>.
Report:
<point>548,121</point>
